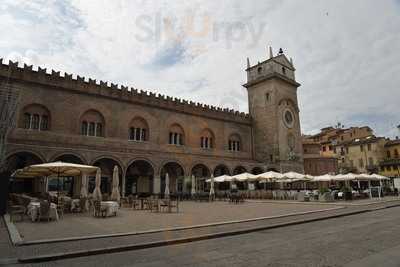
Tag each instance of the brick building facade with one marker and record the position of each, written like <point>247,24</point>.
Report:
<point>74,119</point>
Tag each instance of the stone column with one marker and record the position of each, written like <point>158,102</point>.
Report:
<point>123,182</point>
<point>157,184</point>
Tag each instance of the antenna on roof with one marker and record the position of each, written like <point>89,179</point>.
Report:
<point>248,63</point>
<point>270,52</point>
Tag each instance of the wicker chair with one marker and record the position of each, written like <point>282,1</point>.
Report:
<point>99,211</point>
<point>82,204</point>
<point>44,210</point>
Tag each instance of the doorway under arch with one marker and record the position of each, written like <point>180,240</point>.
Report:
<point>176,176</point>
<point>139,178</point>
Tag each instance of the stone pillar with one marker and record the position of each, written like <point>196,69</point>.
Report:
<point>157,184</point>
<point>123,184</point>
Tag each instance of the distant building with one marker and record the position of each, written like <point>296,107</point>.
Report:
<point>390,165</point>
<point>363,155</point>
<point>333,143</point>
<point>314,163</point>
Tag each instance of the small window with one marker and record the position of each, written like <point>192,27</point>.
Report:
<point>371,161</point>
<point>259,70</point>
<point>369,147</point>
<point>27,121</point>
<point>84,128</point>
<point>35,121</point>
<point>92,128</point>
<point>283,70</point>
<point>388,154</point>
<point>44,123</point>
<point>396,153</point>
<point>362,148</point>
<point>267,97</point>
<point>99,130</point>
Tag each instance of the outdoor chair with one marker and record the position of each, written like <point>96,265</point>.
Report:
<point>174,204</point>
<point>99,211</point>
<point>60,207</point>
<point>82,204</point>
<point>164,204</point>
<point>124,202</point>
<point>44,210</point>
<point>154,205</point>
<point>135,203</point>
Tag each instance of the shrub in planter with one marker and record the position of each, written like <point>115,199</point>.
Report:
<point>347,194</point>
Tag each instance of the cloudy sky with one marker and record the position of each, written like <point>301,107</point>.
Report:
<point>346,52</point>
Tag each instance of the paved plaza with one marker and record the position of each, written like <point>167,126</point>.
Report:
<point>369,239</point>
<point>127,220</point>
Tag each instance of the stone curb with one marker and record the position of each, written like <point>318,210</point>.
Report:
<point>343,204</point>
<point>12,230</point>
<point>59,240</point>
<point>115,249</point>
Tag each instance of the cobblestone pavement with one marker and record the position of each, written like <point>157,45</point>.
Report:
<point>368,239</point>
<point>191,213</point>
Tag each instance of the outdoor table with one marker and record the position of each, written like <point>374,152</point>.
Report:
<point>33,211</point>
<point>111,207</point>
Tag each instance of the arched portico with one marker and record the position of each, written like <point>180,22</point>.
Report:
<point>139,178</point>
<point>221,170</point>
<point>176,176</point>
<point>201,173</point>
<point>107,167</point>
<point>19,160</point>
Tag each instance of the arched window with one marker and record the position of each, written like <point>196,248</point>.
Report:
<point>84,128</point>
<point>176,135</point>
<point>36,117</point>
<point>234,143</point>
<point>92,124</point>
<point>138,130</point>
<point>207,139</point>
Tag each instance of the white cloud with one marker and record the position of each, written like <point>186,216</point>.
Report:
<point>345,52</point>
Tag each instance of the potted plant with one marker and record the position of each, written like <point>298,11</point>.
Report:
<point>347,193</point>
<point>325,195</point>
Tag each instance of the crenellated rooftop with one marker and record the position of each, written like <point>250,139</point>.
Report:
<point>27,73</point>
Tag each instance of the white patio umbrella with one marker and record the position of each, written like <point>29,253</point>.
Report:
<point>84,192</point>
<point>323,178</point>
<point>97,192</point>
<point>244,177</point>
<point>346,177</point>
<point>295,176</point>
<point>379,177</point>
<point>166,192</point>
<point>212,192</point>
<point>115,195</point>
<point>193,191</point>
<point>220,179</point>
<point>59,168</point>
<point>271,175</point>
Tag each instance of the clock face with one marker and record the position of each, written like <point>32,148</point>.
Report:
<point>288,118</point>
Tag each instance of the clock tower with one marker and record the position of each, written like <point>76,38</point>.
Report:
<point>273,106</point>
